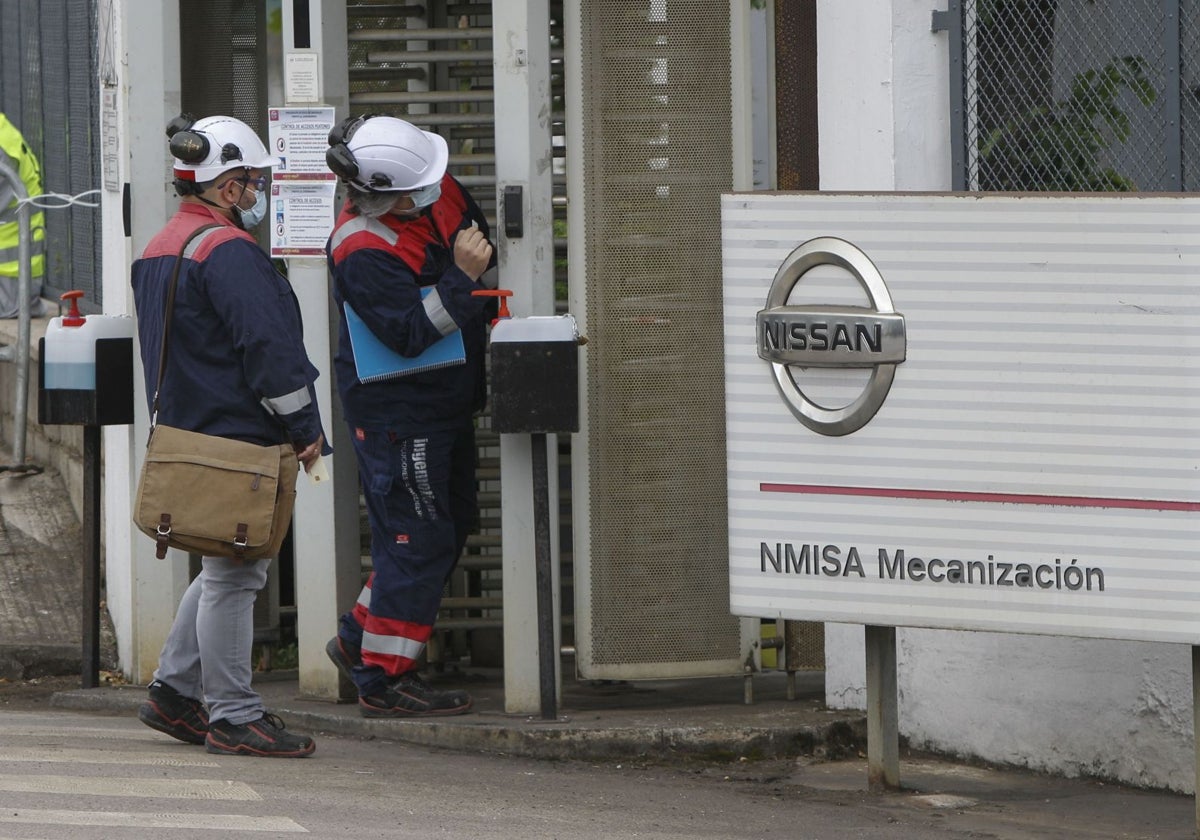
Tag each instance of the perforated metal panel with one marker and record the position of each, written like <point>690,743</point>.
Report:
<point>224,59</point>
<point>655,133</point>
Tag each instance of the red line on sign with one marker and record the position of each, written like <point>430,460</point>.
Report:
<point>1001,498</point>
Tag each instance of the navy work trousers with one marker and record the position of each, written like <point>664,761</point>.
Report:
<point>421,504</point>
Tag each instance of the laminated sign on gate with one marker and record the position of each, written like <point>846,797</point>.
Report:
<point>965,412</point>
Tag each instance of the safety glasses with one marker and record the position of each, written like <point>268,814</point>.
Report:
<point>259,183</point>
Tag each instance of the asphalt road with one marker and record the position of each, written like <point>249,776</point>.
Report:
<point>67,775</point>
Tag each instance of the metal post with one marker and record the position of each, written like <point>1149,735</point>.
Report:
<point>522,87</point>
<point>1172,99</point>
<point>883,730</point>
<point>20,354</point>
<point>544,570</point>
<point>325,527</point>
<point>24,281</point>
<point>791,654</point>
<point>1196,729</point>
<point>91,556</point>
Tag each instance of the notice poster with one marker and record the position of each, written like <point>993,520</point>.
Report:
<point>301,217</point>
<point>302,187</point>
<point>299,137</point>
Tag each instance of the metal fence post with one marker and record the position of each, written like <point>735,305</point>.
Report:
<point>20,353</point>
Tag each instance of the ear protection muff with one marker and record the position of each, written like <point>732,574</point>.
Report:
<point>186,145</point>
<point>341,160</point>
<point>193,146</point>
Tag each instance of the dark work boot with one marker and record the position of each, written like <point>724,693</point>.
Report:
<point>168,711</point>
<point>265,737</point>
<point>343,656</point>
<point>411,696</point>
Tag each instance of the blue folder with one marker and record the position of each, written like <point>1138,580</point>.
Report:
<point>374,361</point>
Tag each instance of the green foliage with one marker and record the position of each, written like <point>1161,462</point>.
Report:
<point>282,656</point>
<point>560,263</point>
<point>1059,146</point>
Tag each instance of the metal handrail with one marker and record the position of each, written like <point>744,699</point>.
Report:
<point>19,353</point>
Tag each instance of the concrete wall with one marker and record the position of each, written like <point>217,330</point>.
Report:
<point>1118,710</point>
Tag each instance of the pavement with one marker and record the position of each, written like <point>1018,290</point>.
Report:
<point>673,722</point>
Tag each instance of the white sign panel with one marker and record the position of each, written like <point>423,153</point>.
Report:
<point>302,76</point>
<point>110,140</point>
<point>998,428</point>
<point>301,217</point>
<point>302,186</point>
<point>300,136</point>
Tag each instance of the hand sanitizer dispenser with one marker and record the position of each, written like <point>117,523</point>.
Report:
<point>85,369</point>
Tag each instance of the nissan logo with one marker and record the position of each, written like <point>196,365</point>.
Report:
<point>831,336</point>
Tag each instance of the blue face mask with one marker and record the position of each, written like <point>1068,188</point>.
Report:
<point>250,218</point>
<point>426,195</point>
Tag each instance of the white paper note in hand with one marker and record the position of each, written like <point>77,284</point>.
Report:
<point>319,472</point>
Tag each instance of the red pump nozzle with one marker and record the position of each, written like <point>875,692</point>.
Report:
<point>73,318</point>
<point>503,294</point>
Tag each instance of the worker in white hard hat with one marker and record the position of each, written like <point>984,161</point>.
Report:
<point>237,368</point>
<point>407,251</point>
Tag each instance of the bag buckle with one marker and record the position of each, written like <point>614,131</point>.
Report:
<point>163,536</point>
<point>241,540</point>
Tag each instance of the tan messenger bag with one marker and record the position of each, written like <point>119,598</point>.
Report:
<point>208,494</point>
<point>215,496</point>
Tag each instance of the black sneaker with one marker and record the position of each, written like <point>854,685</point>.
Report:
<point>343,656</point>
<point>263,737</point>
<point>411,696</point>
<point>168,711</point>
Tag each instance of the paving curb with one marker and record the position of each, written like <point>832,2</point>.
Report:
<point>569,737</point>
<point>551,741</point>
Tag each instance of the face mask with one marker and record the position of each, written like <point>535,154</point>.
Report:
<point>250,218</point>
<point>426,195</point>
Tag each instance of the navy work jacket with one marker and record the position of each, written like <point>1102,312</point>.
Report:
<point>380,267</point>
<point>236,365</point>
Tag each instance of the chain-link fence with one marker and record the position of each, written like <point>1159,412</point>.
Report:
<point>49,90</point>
<point>1076,95</point>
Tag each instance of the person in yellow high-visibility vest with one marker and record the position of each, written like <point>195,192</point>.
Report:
<point>17,156</point>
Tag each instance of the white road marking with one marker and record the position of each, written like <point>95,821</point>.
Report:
<point>140,733</point>
<point>148,788</point>
<point>54,753</point>
<point>127,819</point>
<point>41,742</point>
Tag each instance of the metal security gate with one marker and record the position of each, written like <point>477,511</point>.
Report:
<point>433,65</point>
<point>1072,95</point>
<point>654,153</point>
<point>49,90</point>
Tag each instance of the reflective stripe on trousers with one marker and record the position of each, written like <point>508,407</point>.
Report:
<point>420,495</point>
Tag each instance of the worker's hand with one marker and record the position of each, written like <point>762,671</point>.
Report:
<point>472,252</point>
<point>309,454</point>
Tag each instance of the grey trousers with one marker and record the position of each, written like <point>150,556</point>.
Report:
<point>207,653</point>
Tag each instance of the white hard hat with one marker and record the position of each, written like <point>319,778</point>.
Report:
<point>213,145</point>
<point>390,155</point>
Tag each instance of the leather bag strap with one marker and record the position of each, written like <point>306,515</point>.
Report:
<point>168,311</point>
